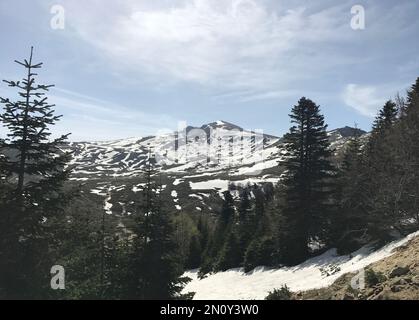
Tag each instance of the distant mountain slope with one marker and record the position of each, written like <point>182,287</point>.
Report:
<point>215,147</point>
<point>197,162</point>
<point>212,147</point>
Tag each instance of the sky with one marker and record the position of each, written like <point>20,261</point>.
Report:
<point>125,68</point>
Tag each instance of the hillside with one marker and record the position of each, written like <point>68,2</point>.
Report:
<point>196,164</point>
<point>328,271</point>
<point>397,279</point>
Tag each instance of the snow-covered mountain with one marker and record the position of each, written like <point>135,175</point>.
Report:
<point>196,162</point>
<point>213,147</point>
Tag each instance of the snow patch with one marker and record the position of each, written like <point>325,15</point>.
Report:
<point>234,284</point>
<point>209,184</point>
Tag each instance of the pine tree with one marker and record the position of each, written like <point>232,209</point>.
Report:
<point>203,230</point>
<point>156,270</point>
<point>413,97</point>
<point>350,222</point>
<point>230,255</point>
<point>246,221</point>
<point>225,220</point>
<point>305,215</point>
<point>34,172</point>
<point>195,250</point>
<point>406,148</point>
<point>79,241</point>
<point>252,256</point>
<point>244,205</point>
<point>260,199</point>
<point>387,116</point>
<point>382,172</point>
<point>227,210</point>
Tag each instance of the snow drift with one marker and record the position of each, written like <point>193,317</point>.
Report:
<point>317,272</point>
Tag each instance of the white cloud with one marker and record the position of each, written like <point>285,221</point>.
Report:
<point>364,99</point>
<point>88,118</point>
<point>249,96</point>
<point>229,43</point>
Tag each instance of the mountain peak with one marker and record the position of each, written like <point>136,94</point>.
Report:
<point>221,124</point>
<point>350,131</point>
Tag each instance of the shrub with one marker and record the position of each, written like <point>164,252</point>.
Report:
<point>372,278</point>
<point>280,294</point>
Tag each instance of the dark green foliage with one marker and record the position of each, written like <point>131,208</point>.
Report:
<point>155,270</point>
<point>349,229</point>
<point>252,257</point>
<point>371,193</point>
<point>280,294</point>
<point>378,183</point>
<point>406,148</point>
<point>230,254</point>
<point>246,223</point>
<point>260,252</point>
<point>92,247</point>
<point>306,191</point>
<point>228,210</point>
<point>384,174</point>
<point>213,256</point>
<point>373,278</point>
<point>195,251</point>
<point>246,238</point>
<point>32,173</point>
<point>386,118</point>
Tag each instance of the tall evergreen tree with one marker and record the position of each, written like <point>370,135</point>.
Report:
<point>84,239</point>
<point>195,250</point>
<point>387,116</point>
<point>224,225</point>
<point>349,223</point>
<point>306,211</point>
<point>230,255</point>
<point>406,148</point>
<point>156,270</point>
<point>246,221</point>
<point>413,97</point>
<point>382,172</point>
<point>34,172</point>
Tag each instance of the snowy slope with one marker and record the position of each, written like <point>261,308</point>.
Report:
<point>236,285</point>
<point>193,160</point>
<point>210,148</point>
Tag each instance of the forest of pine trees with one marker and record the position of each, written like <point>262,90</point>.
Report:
<point>39,228</point>
<point>367,192</point>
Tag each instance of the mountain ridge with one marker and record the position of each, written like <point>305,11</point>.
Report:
<point>112,168</point>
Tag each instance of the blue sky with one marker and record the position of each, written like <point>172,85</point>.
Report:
<point>126,68</point>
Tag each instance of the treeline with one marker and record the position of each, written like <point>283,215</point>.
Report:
<point>47,221</point>
<point>367,193</point>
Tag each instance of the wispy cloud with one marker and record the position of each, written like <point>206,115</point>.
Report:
<point>206,59</point>
<point>366,100</point>
<point>91,119</point>
<point>232,43</point>
<point>249,95</point>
